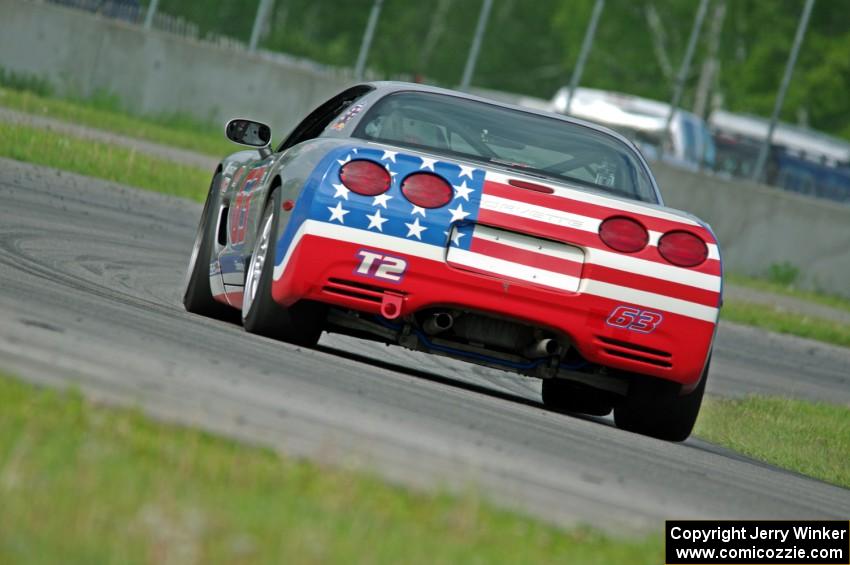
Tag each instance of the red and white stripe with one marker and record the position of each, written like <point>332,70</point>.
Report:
<point>514,256</point>
<point>573,216</point>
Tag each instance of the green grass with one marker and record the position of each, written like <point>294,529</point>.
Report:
<point>25,82</point>
<point>790,290</point>
<point>810,438</point>
<point>102,160</point>
<point>103,112</point>
<point>88,484</point>
<point>777,320</point>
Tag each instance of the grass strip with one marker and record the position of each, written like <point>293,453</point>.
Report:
<point>815,437</point>
<point>777,320</point>
<point>789,290</point>
<point>175,131</point>
<point>102,160</point>
<point>89,484</point>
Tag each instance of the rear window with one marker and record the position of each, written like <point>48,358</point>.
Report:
<point>527,142</point>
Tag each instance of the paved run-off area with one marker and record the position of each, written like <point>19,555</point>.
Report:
<point>90,280</point>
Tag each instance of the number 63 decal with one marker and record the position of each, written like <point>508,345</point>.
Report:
<point>634,319</point>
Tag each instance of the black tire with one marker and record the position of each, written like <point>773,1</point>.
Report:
<point>655,408</point>
<point>569,396</point>
<point>301,323</point>
<point>197,297</point>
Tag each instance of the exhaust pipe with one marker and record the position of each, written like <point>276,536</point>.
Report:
<point>542,348</point>
<point>438,323</point>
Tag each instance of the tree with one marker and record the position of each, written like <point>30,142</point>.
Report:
<point>531,47</point>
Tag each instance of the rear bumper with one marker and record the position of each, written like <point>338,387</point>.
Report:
<point>326,270</point>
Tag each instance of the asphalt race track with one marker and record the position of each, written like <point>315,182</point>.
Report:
<point>90,283</point>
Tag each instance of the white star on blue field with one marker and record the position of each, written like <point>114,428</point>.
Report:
<point>391,213</point>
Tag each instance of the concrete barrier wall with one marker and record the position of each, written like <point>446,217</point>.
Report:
<point>156,72</point>
<point>759,226</point>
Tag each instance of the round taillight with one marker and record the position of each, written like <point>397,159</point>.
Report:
<point>623,234</point>
<point>365,177</point>
<point>682,248</point>
<point>426,190</point>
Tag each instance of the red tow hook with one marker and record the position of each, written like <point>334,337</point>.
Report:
<point>391,305</point>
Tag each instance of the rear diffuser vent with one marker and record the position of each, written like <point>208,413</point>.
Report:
<point>351,289</point>
<point>634,352</point>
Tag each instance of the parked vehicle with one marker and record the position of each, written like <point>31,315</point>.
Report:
<point>799,160</point>
<point>687,145</point>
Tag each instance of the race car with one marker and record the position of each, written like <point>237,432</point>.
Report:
<point>459,226</point>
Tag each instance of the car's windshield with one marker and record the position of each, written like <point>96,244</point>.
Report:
<point>528,142</point>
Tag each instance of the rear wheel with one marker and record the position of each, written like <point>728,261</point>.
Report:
<point>302,322</point>
<point>197,297</point>
<point>655,408</point>
<point>569,396</point>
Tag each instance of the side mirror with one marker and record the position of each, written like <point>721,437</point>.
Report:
<point>248,132</point>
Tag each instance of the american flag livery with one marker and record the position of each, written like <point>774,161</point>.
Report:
<point>611,300</point>
<point>391,213</point>
<point>544,240</point>
<point>517,257</point>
